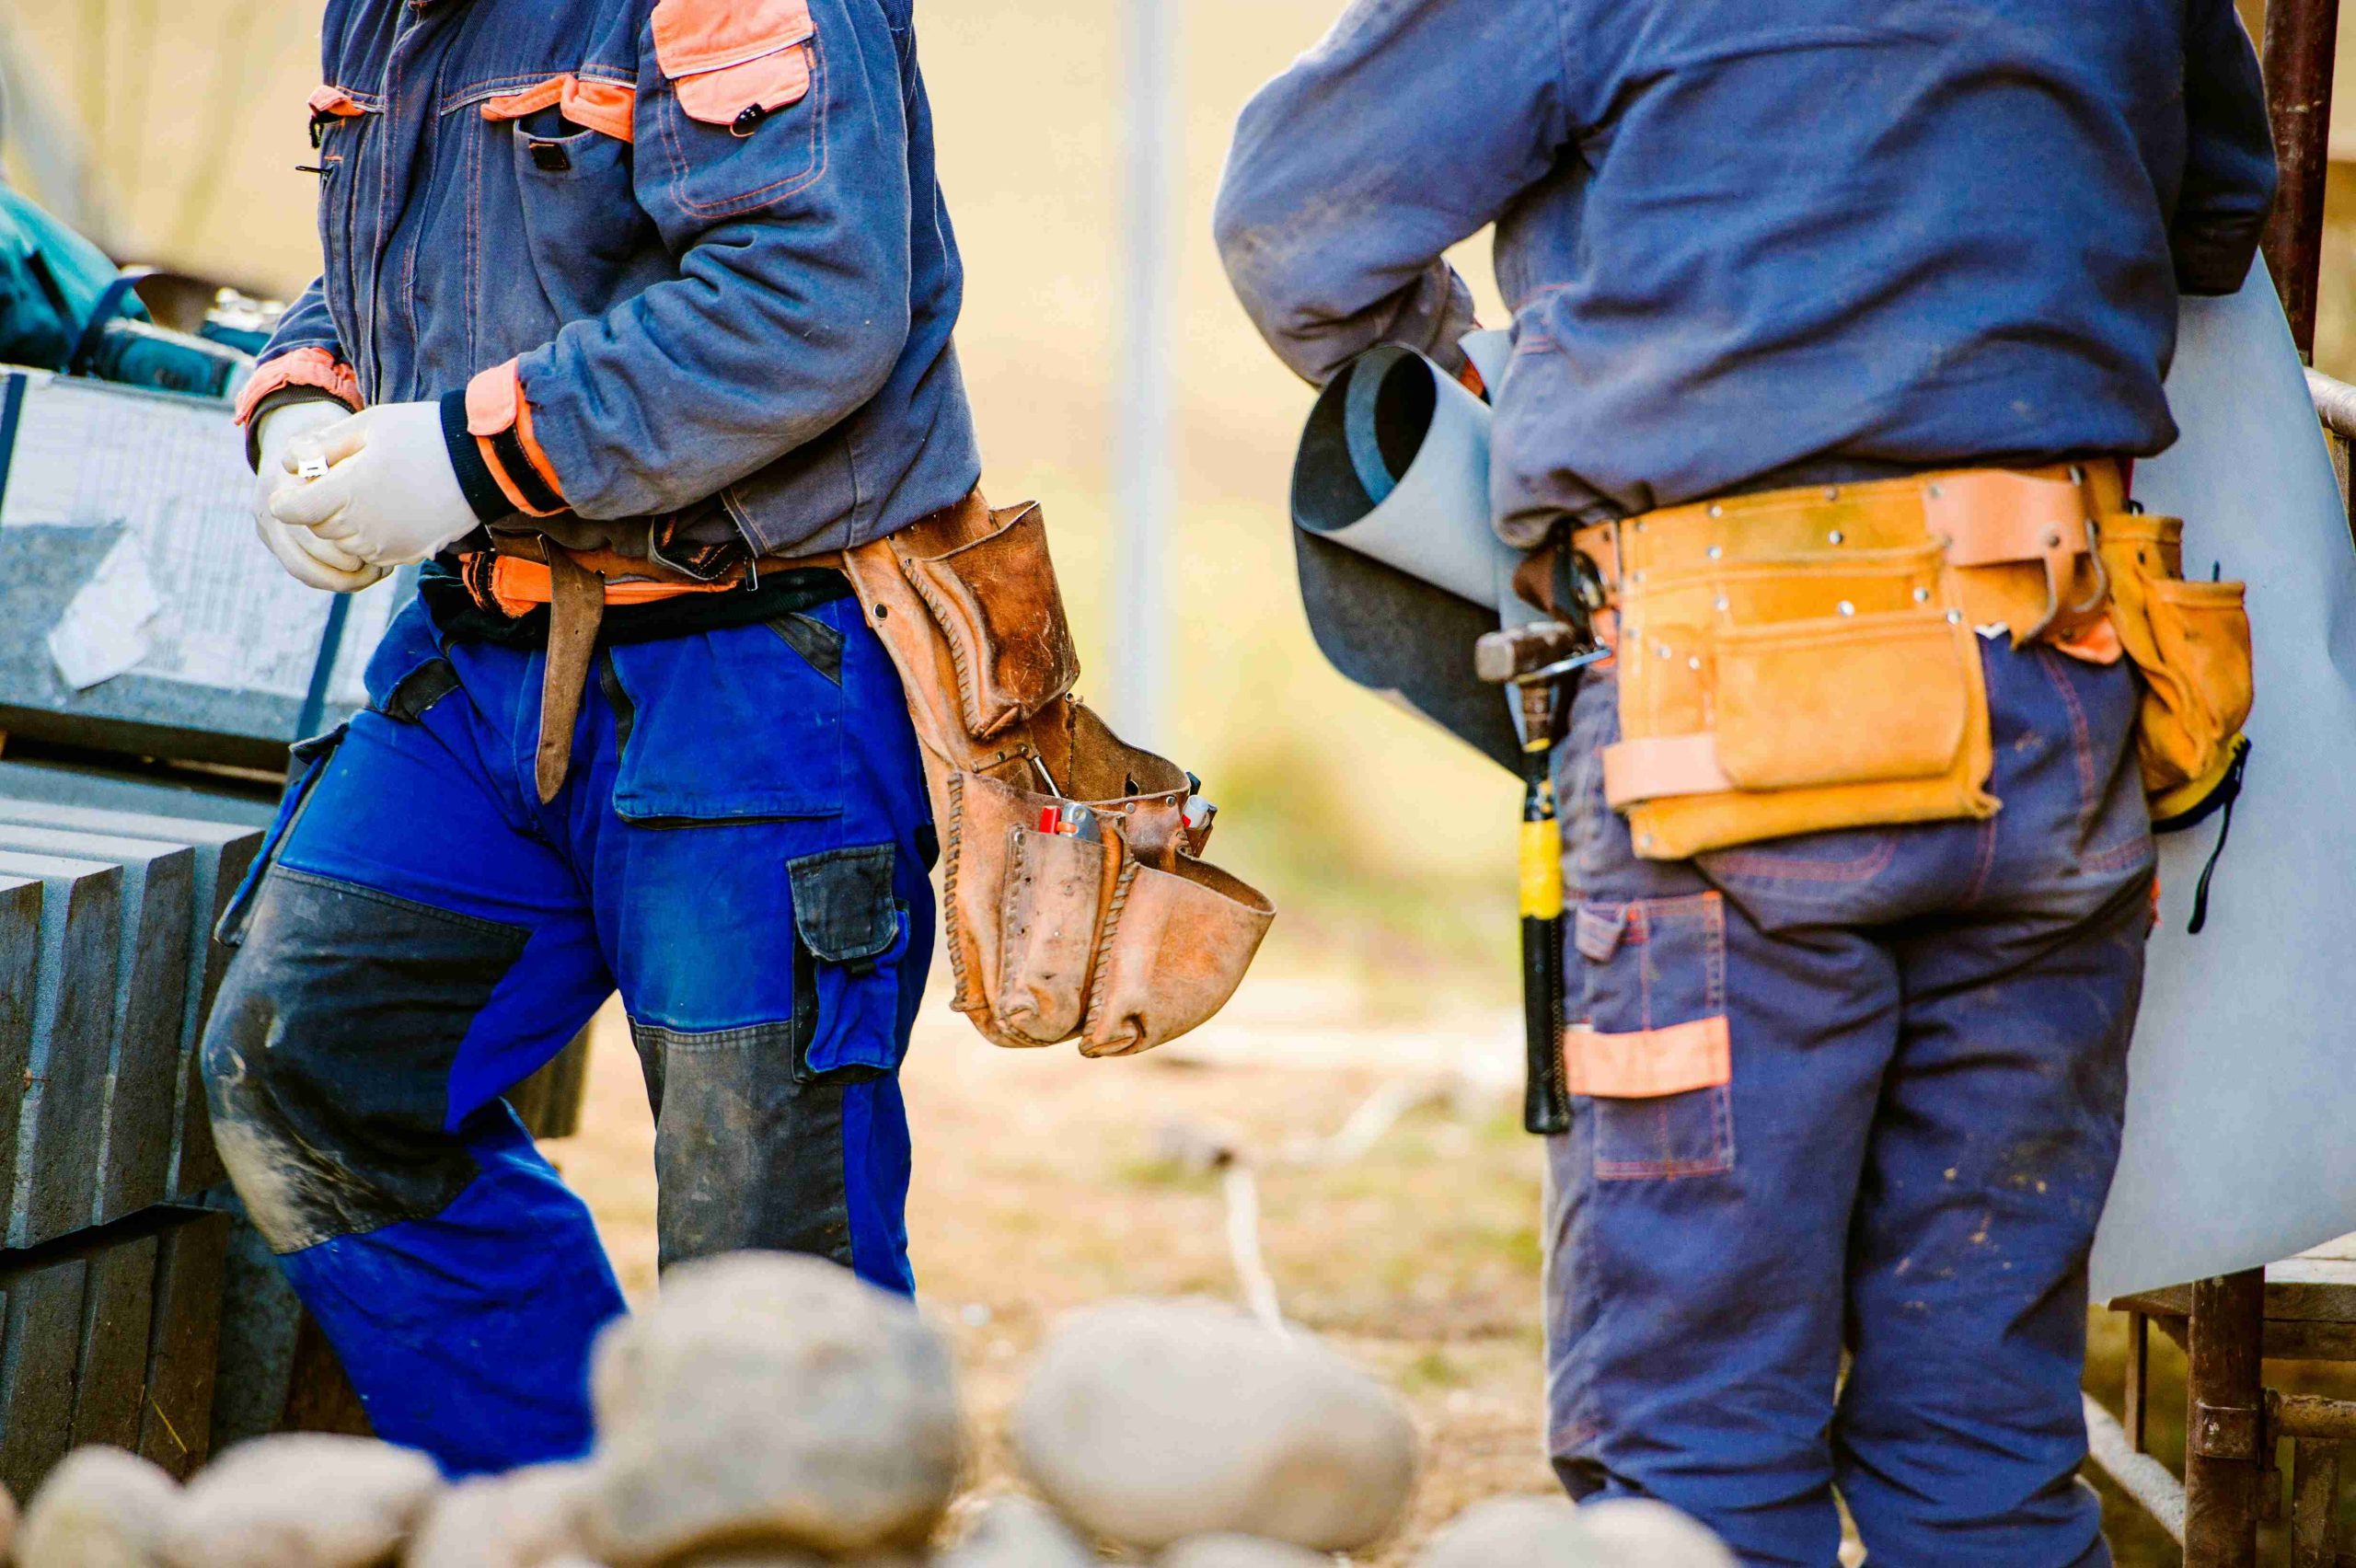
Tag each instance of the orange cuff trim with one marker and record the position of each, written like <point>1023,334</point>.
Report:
<point>1650,1064</point>
<point>610,107</point>
<point>302,367</point>
<point>499,416</point>
<point>1658,765</point>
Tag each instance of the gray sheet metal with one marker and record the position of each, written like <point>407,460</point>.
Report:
<point>2241,1125</point>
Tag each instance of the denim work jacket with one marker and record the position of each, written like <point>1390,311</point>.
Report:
<point>677,257</point>
<point>1743,236</point>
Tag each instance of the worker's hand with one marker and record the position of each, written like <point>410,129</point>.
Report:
<point>308,558</point>
<point>390,495</point>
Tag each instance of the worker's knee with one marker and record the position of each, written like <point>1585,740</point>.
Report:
<point>328,1059</point>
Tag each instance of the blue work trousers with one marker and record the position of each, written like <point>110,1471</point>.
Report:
<point>741,848</point>
<point>1927,1031</point>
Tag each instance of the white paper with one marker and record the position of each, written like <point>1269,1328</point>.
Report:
<point>104,631</point>
<point>172,471</point>
<point>2241,1121</point>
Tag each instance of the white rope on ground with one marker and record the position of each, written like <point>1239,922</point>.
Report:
<point>2141,1476</point>
<point>1252,1274</point>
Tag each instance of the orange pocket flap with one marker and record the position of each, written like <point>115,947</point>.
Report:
<point>726,58</point>
<point>606,106</point>
<point>1650,1063</point>
<point>334,102</point>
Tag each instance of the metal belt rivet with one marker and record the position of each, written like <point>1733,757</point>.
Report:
<point>2077,474</point>
<point>1955,617</point>
<point>1837,537</point>
<point>1832,492</point>
<point>1921,596</point>
<point>1694,663</point>
<point>2053,539</point>
<point>1722,602</point>
<point>1717,511</point>
<point>1847,608</point>
<point>1664,650</point>
<point>1640,527</point>
<point>1716,553</point>
<point>1933,492</point>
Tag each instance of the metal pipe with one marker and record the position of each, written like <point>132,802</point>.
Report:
<point>2335,403</point>
<point>2300,49</point>
<point>2140,1476</point>
<point>1143,440</point>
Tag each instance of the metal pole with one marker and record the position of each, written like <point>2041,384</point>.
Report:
<point>2300,36</point>
<point>2223,1425</point>
<point>1143,441</point>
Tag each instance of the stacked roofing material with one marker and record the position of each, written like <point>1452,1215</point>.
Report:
<point>112,1279</point>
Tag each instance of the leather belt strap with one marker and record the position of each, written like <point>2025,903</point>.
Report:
<point>1653,767</point>
<point>576,609</point>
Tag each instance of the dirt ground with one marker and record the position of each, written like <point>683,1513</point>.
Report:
<point>1045,1182</point>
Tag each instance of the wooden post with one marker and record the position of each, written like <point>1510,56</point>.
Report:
<point>2314,1494</point>
<point>2139,1375</point>
<point>2223,1422</point>
<point>2300,36</point>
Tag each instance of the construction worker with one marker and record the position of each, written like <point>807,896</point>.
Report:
<point>1791,278</point>
<point>629,307</point>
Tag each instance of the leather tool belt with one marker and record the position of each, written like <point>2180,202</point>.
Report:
<point>1805,659</point>
<point>1124,940</point>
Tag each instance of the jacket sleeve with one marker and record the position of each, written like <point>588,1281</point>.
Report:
<point>2229,166</point>
<point>304,360</point>
<point>1407,128</point>
<point>771,149</point>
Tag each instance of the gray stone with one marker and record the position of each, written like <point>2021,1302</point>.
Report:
<point>224,834</point>
<point>150,1001</point>
<point>1514,1532</point>
<point>43,1331</point>
<point>184,1342</point>
<point>1238,1552</point>
<point>1016,1532</point>
<point>101,1509</point>
<point>303,1500</point>
<point>62,1122</point>
<point>527,1519</point>
<point>770,1399</point>
<point>20,904</point>
<point>1148,1422</point>
<point>1633,1533</point>
<point>118,1310</point>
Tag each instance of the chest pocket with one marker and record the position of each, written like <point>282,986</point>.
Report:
<point>561,151</point>
<point>342,122</point>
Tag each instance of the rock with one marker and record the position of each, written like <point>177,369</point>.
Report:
<point>1514,1532</point>
<point>1149,1422</point>
<point>1633,1533</point>
<point>303,1500</point>
<point>1016,1532</point>
<point>770,1399</point>
<point>101,1509</point>
<point>1238,1552</point>
<point>527,1519</point>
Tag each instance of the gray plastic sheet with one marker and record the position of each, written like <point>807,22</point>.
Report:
<point>2241,1120</point>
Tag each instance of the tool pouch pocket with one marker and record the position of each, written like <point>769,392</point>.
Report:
<point>2190,642</point>
<point>1767,698</point>
<point>1125,941</point>
<point>998,608</point>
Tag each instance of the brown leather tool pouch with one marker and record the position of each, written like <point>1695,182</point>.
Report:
<point>1124,941</point>
<point>2190,642</point>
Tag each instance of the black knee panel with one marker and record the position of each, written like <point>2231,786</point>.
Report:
<point>328,1059</point>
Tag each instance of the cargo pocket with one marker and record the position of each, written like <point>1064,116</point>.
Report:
<point>1651,1051</point>
<point>851,936</point>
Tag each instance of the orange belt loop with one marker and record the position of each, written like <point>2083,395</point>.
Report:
<point>518,584</point>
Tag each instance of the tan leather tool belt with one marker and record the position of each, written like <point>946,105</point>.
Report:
<point>1125,941</point>
<point>1803,660</point>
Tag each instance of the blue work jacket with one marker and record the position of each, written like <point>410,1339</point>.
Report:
<point>1740,236</point>
<point>678,257</point>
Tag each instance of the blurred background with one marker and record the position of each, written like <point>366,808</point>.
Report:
<point>170,130</point>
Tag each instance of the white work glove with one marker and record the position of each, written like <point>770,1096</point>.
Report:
<point>308,558</point>
<point>390,496</point>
